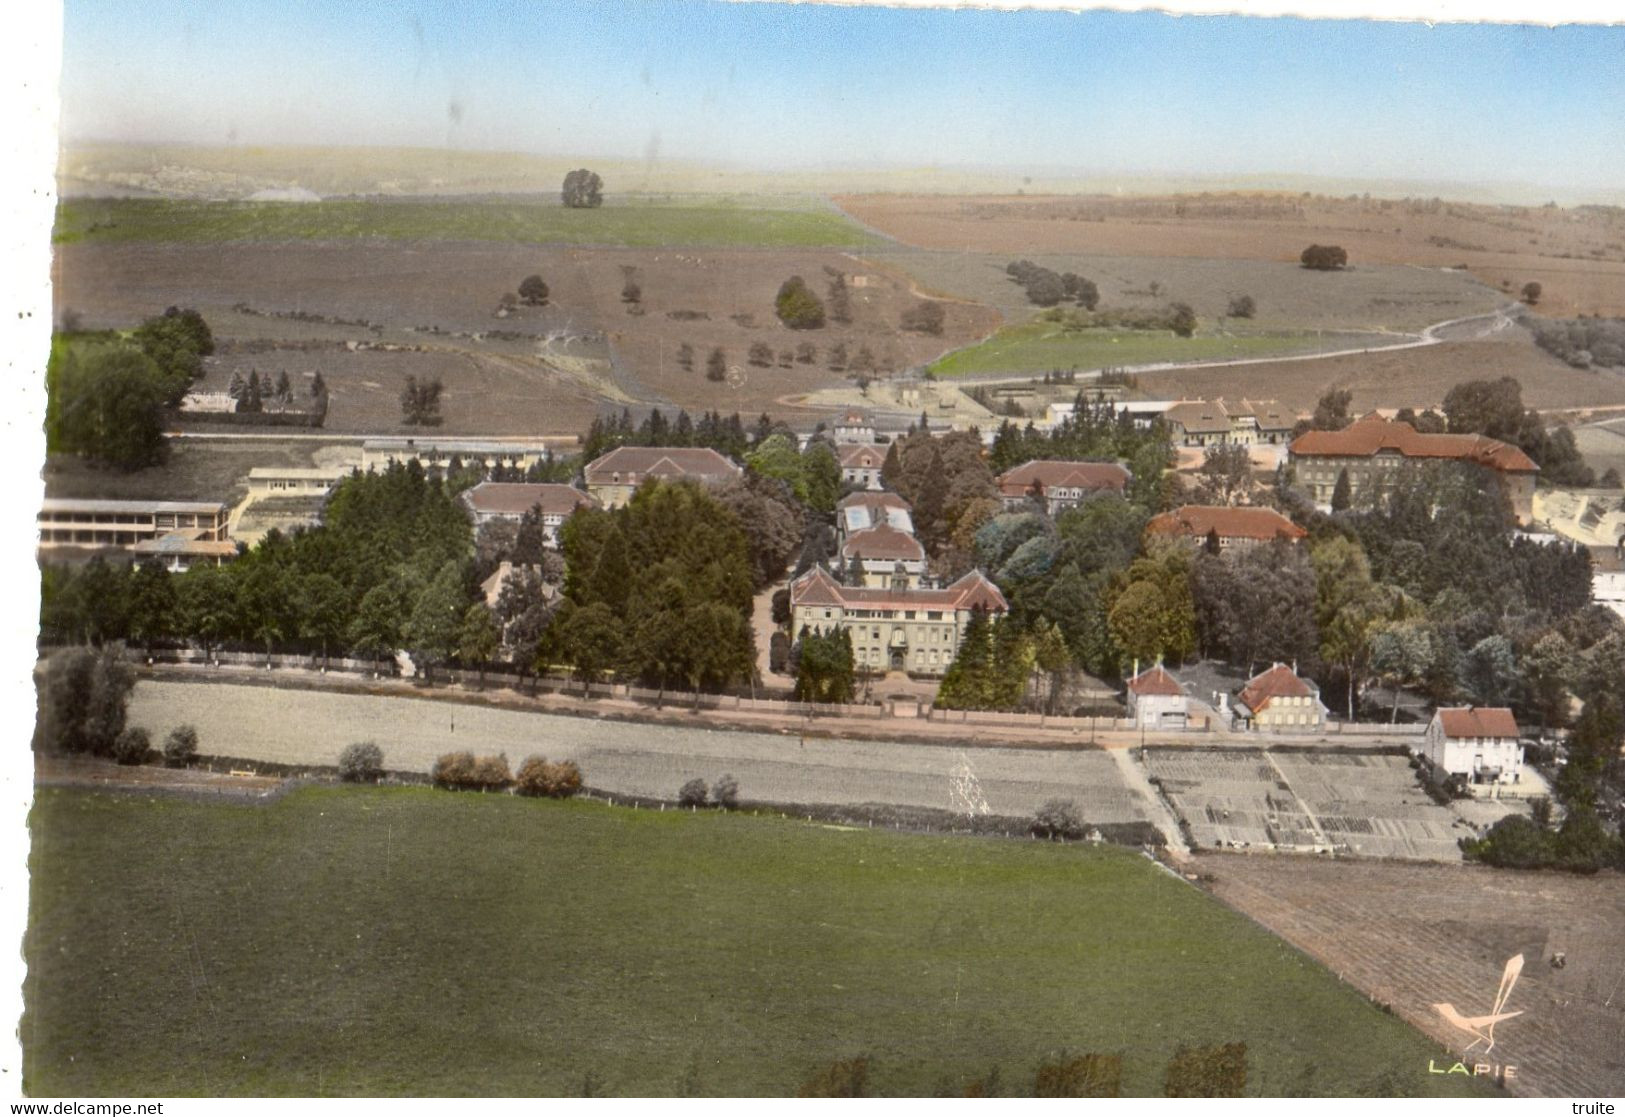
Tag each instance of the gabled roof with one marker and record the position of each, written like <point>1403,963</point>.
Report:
<point>1155,680</point>
<point>817,587</point>
<point>634,463</point>
<point>1199,416</point>
<point>1478,721</point>
<point>512,498</point>
<point>1231,523</point>
<point>854,418</point>
<point>860,455</point>
<point>1063,475</point>
<point>874,499</point>
<point>882,542</point>
<point>1374,434</point>
<point>187,542</point>
<point>1280,681</point>
<point>1271,415</point>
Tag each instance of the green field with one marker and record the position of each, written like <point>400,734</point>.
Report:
<point>720,222</point>
<point>1034,347</point>
<point>410,941</point>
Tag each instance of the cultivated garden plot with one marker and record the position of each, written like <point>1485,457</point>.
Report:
<point>311,727</point>
<point>1360,804</point>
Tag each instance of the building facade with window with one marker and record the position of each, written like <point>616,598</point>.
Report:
<point>613,478</point>
<point>915,630</point>
<point>1479,743</point>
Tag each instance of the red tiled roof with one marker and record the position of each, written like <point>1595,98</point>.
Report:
<point>1065,475</point>
<point>1231,523</point>
<point>1478,721</point>
<point>511,498</point>
<point>817,587</point>
<point>634,463</point>
<point>1280,681</point>
<point>1155,680</point>
<point>859,455</point>
<point>882,542</point>
<point>1373,435</point>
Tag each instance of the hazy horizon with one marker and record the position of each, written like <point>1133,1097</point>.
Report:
<point>816,90</point>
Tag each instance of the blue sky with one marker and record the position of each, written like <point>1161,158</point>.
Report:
<point>805,86</point>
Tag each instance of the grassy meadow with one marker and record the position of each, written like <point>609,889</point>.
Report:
<point>714,221</point>
<point>410,941</point>
<point>1034,346</point>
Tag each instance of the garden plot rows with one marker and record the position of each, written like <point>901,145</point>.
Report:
<point>1413,935</point>
<point>311,727</point>
<point>1351,803</point>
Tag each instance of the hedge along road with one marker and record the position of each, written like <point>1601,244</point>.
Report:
<point>293,726</point>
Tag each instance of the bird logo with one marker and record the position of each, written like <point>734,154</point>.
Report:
<point>1483,1027</point>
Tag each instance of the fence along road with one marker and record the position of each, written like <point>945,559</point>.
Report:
<point>296,726</point>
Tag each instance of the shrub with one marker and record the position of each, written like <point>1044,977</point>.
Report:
<point>1059,818</point>
<point>1086,1076</point>
<point>539,778</point>
<point>725,793</point>
<point>361,762</point>
<point>693,793</point>
<point>1324,257</point>
<point>924,317</point>
<point>844,1078</point>
<point>462,771</point>
<point>1182,319</point>
<point>1207,1072</point>
<point>180,746</point>
<point>131,746</point>
<point>1243,306</point>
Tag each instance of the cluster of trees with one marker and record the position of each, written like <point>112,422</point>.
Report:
<point>1495,408</point>
<point>83,698</point>
<point>583,189</point>
<point>390,568</point>
<point>999,662</point>
<point>812,475</point>
<point>1178,317</point>
<point>533,291</point>
<point>724,435</point>
<point>107,393</point>
<point>1582,342</point>
<point>797,307</point>
<point>1045,287</point>
<point>762,355</point>
<point>695,793</point>
<point>659,590</point>
<point>824,666</point>
<point>952,491</point>
<point>1096,431</point>
<point>1324,257</point>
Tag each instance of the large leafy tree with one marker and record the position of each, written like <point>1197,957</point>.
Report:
<point>106,403</point>
<point>583,189</point>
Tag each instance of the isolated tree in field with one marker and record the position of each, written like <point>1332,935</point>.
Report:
<point>361,762</point>
<point>132,745</point>
<point>925,317</point>
<point>318,386</point>
<point>1182,320</point>
<point>1531,293</point>
<point>180,746</point>
<point>284,389</point>
<point>583,189</point>
<point>797,307</point>
<point>693,794</point>
<point>1242,306</point>
<point>420,402</point>
<point>806,353</point>
<point>716,366</point>
<point>761,354</point>
<point>725,792</point>
<point>840,298</point>
<point>631,290</point>
<point>685,357</point>
<point>1324,257</point>
<point>533,291</point>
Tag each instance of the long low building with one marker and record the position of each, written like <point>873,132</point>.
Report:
<point>377,453</point>
<point>1059,485</point>
<point>1234,527</point>
<point>918,631</point>
<point>180,534</point>
<point>265,482</point>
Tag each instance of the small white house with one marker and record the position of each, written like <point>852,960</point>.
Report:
<point>1156,700</point>
<point>1478,742</point>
